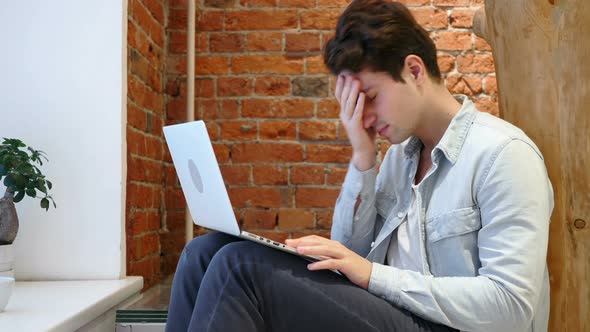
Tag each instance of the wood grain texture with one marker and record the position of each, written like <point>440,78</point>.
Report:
<point>542,53</point>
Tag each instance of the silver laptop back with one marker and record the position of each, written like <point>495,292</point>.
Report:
<point>200,177</point>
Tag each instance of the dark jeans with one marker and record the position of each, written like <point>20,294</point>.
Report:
<point>223,283</point>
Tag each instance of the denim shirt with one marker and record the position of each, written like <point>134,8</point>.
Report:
<point>484,209</point>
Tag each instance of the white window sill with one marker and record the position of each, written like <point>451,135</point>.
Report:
<point>64,305</point>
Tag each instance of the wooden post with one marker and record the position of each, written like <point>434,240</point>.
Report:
<point>542,53</point>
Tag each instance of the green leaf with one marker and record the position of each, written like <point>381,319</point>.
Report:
<point>19,181</point>
<point>41,185</point>
<point>9,181</point>
<point>31,193</point>
<point>19,196</point>
<point>49,185</point>
<point>45,204</point>
<point>2,171</point>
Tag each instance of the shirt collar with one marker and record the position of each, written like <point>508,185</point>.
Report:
<point>454,137</point>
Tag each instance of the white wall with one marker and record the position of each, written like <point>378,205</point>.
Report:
<point>63,91</point>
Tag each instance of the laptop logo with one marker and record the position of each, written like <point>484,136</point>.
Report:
<point>195,175</point>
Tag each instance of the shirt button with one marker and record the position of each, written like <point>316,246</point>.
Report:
<point>372,244</point>
<point>356,218</point>
<point>400,215</point>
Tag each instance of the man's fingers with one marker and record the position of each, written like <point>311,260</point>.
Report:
<point>352,99</point>
<point>306,240</point>
<point>327,249</point>
<point>360,104</point>
<point>328,264</point>
<point>339,86</point>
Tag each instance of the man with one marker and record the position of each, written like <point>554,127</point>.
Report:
<point>452,233</point>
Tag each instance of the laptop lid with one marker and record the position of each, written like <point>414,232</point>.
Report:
<point>200,177</point>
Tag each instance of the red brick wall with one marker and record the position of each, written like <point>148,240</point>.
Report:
<point>267,100</point>
<point>146,63</point>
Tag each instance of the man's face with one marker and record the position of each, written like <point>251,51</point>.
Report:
<point>392,108</point>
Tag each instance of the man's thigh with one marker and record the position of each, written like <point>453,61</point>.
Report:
<point>292,298</point>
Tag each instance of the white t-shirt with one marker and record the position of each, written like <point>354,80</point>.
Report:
<point>404,248</point>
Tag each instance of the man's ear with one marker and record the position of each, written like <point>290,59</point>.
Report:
<point>416,68</point>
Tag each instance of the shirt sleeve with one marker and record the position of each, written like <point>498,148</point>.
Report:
<point>355,230</point>
<point>515,201</point>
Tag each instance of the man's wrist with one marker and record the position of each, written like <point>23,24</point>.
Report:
<point>364,161</point>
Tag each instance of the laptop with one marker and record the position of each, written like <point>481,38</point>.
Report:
<point>203,186</point>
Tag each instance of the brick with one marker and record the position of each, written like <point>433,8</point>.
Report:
<point>174,198</point>
<point>415,2</point>
<point>170,177</point>
<point>265,41</point>
<point>324,218</point>
<point>296,219</point>
<point>328,108</point>
<point>335,175</point>
<point>144,170</point>
<point>481,44</point>
<point>222,152</point>
<point>319,19</point>
<point>446,62</point>
<point>468,85</point>
<point>204,87</point>
<point>269,174</point>
<point>258,197</point>
<point>178,4</point>
<point>135,142</point>
<point>315,65</point>
<point>208,109</point>
<point>267,152</point>
<point>450,3</point>
<point>316,197</point>
<point>462,18</point>
<point>259,219</point>
<point>310,86</point>
<point>489,105</point>
<point>227,42</point>
<point>277,108</point>
<point>143,95</point>
<point>239,131</point>
<point>177,18</point>
<point>307,174</point>
<point>221,3</point>
<point>323,153</point>
<point>143,196</point>
<point>146,22</point>
<point>157,10</point>
<point>258,3</point>
<point>176,109</point>
<point>235,174</point>
<point>229,109</point>
<point>453,40</point>
<point>278,130</point>
<point>267,64</point>
<point>207,65</point>
<point>333,3</point>
<point>297,3</point>
<point>209,20</point>
<point>490,86</point>
<point>321,233</point>
<point>475,63</point>
<point>138,40</point>
<point>138,65</point>
<point>261,20</point>
<point>234,86</point>
<point>317,130</point>
<point>136,117</point>
<point>302,42</point>
<point>143,221</point>
<point>430,18</point>
<point>272,86</point>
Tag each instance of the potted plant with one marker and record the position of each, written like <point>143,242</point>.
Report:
<point>22,178</point>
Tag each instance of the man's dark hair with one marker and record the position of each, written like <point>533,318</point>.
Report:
<point>378,35</point>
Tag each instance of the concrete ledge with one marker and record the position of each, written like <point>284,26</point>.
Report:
<point>64,305</point>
